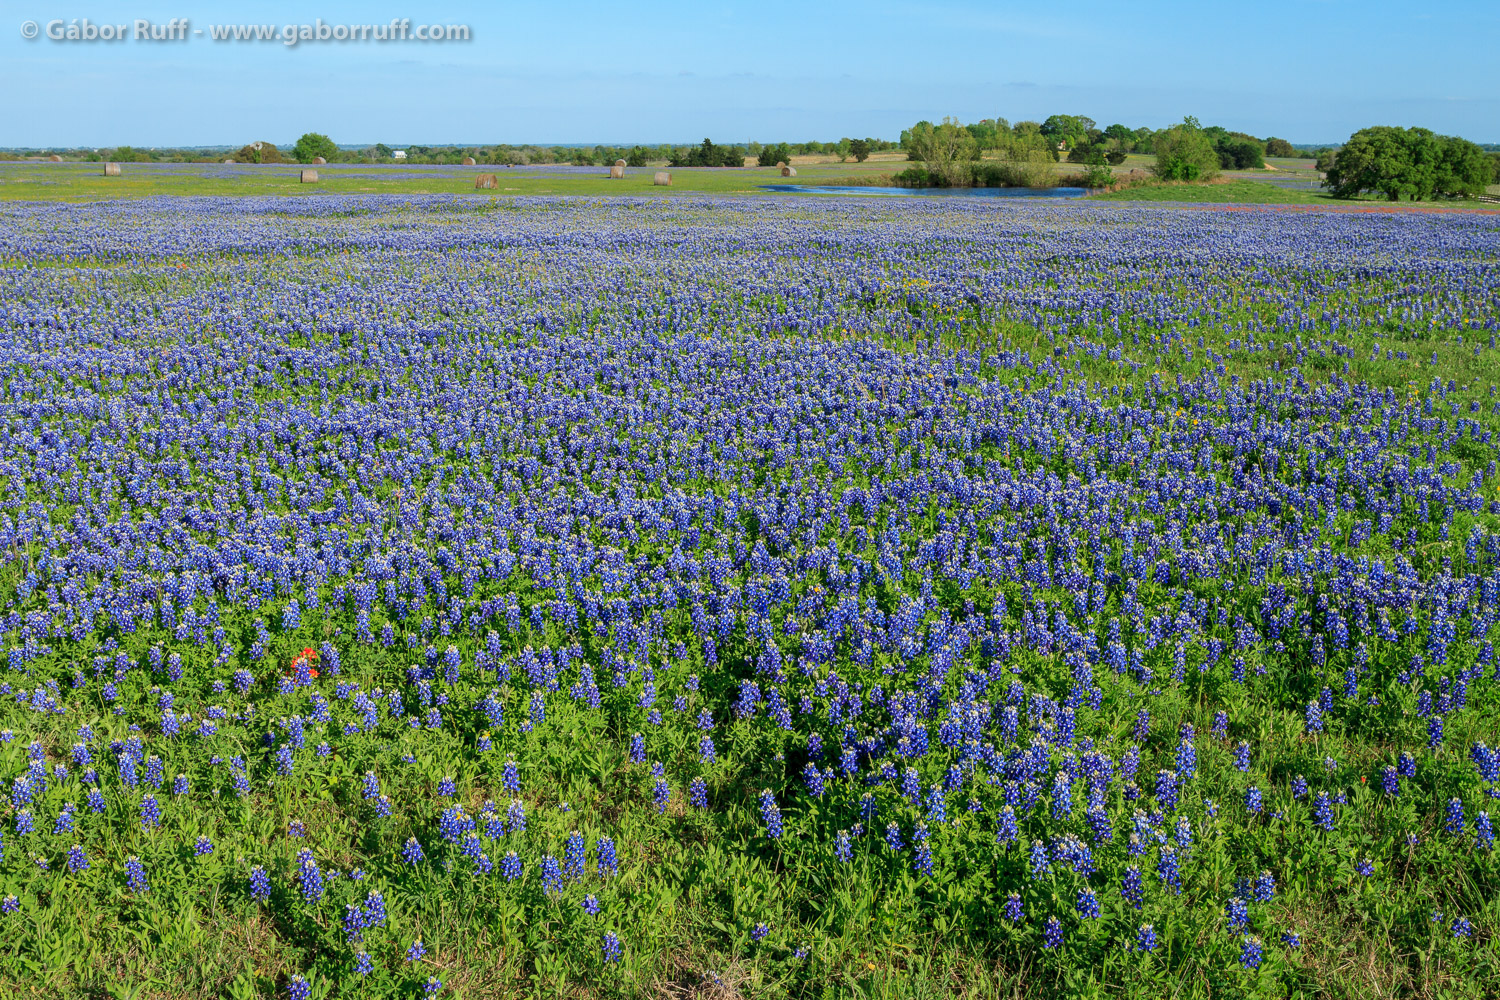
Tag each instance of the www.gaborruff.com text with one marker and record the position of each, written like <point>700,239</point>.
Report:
<point>181,29</point>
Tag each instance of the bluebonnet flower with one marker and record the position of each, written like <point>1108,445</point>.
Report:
<point>1236,914</point>
<point>1264,888</point>
<point>1088,903</point>
<point>510,866</point>
<point>412,852</point>
<point>1054,934</point>
<point>77,860</point>
<point>608,864</point>
<point>416,952</point>
<point>552,878</point>
<point>1013,911</point>
<point>363,964</point>
<point>611,947</point>
<point>1250,952</point>
<point>260,884</point>
<point>1130,886</point>
<point>1040,864</point>
<point>759,932</point>
<point>1145,938</point>
<point>591,905</point>
<point>298,988</point>
<point>202,846</point>
<point>1454,817</point>
<point>135,875</point>
<point>1461,927</point>
<point>771,814</point>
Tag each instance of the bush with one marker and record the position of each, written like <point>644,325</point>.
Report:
<point>258,152</point>
<point>709,155</point>
<point>1097,176</point>
<point>772,155</point>
<point>1238,152</point>
<point>636,157</point>
<point>1184,153</point>
<point>313,145</point>
<point>945,149</point>
<point>1280,147</point>
<point>1114,157</point>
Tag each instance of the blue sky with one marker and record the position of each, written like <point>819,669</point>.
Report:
<point>668,71</point>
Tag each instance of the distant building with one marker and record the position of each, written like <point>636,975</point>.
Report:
<point>398,154</point>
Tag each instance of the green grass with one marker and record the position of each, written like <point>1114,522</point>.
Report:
<point>86,182</point>
<point>1256,192</point>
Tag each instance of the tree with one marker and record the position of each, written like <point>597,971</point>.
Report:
<point>636,157</point>
<point>258,152</point>
<point>1280,147</point>
<point>1413,162</point>
<point>772,155</point>
<point>843,148</point>
<point>860,150</point>
<point>1121,136</point>
<point>1238,151</point>
<point>1069,129</point>
<point>312,145</point>
<point>944,148</point>
<point>1184,153</point>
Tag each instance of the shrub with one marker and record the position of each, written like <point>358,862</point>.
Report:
<point>1184,153</point>
<point>258,152</point>
<point>772,155</point>
<point>311,146</point>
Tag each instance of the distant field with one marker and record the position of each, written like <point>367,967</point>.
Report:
<point>1293,183</point>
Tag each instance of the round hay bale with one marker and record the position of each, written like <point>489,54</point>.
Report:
<point>788,171</point>
<point>468,161</point>
<point>616,172</point>
<point>54,158</point>
<point>486,181</point>
<point>662,179</point>
<point>318,161</point>
<point>309,177</point>
<point>620,163</point>
<point>228,161</point>
<point>111,170</point>
<point>780,164</point>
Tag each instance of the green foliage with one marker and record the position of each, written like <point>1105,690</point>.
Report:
<point>709,155</point>
<point>1184,153</point>
<point>313,145</point>
<point>860,150</point>
<point>1088,153</point>
<point>771,155</point>
<point>258,152</point>
<point>1238,151</point>
<point>1280,147</point>
<point>1414,163</point>
<point>946,149</point>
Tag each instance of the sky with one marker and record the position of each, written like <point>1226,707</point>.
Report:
<point>653,71</point>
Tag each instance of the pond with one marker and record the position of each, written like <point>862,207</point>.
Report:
<point>964,192</point>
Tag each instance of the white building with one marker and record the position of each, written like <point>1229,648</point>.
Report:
<point>398,154</point>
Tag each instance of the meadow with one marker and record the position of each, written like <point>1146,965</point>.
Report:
<point>1292,182</point>
<point>747,597</point>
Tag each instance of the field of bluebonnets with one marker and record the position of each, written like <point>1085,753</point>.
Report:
<point>711,597</point>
